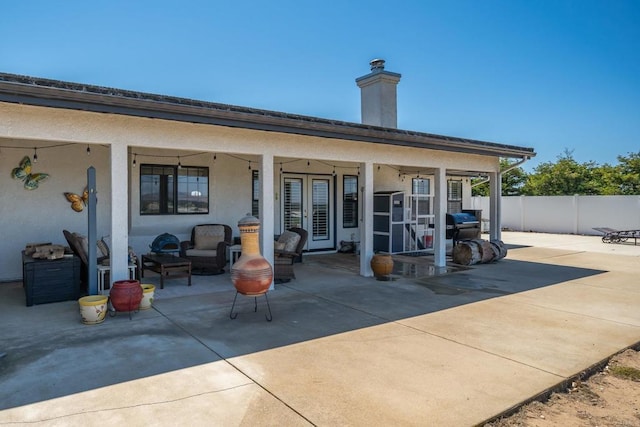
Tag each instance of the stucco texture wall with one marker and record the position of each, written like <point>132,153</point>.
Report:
<point>40,215</point>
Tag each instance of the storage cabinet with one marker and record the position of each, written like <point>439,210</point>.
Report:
<point>388,221</point>
<point>47,281</point>
<point>402,223</point>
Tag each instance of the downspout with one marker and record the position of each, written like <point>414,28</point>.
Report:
<point>513,166</point>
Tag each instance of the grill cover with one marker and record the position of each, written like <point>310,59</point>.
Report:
<point>165,243</point>
<point>462,226</point>
<point>463,218</point>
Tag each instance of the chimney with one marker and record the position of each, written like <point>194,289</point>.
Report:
<point>378,96</point>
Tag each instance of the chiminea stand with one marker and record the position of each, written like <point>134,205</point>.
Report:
<point>269,317</point>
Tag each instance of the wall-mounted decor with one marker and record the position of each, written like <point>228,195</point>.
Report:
<point>78,202</point>
<point>23,172</point>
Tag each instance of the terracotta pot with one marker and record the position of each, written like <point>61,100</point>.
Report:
<point>382,266</point>
<point>93,309</point>
<point>251,274</point>
<point>126,295</point>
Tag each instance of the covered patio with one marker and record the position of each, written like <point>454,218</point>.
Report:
<point>249,157</point>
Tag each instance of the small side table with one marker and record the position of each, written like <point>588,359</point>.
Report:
<point>102,270</point>
<point>234,253</point>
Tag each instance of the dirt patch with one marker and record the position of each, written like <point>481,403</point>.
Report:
<point>608,398</point>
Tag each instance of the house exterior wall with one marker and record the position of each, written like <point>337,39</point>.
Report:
<point>42,214</point>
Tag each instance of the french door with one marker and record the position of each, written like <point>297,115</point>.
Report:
<point>307,202</point>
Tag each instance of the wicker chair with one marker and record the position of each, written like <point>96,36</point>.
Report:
<point>285,257</point>
<point>207,249</point>
<point>77,242</point>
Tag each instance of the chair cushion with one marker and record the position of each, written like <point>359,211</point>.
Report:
<point>83,242</point>
<point>207,237</point>
<point>103,249</point>
<point>201,252</point>
<point>290,240</point>
<point>279,246</point>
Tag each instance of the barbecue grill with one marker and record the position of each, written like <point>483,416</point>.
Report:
<point>462,226</point>
<point>165,243</point>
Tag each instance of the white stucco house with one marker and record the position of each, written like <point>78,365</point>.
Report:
<point>165,164</point>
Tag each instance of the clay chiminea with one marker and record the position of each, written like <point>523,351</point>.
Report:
<point>251,274</point>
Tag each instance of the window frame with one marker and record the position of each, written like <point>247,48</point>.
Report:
<point>354,203</point>
<point>255,193</point>
<point>169,200</point>
<point>454,204</point>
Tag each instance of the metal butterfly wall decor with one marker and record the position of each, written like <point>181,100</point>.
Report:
<point>78,202</point>
<point>23,172</point>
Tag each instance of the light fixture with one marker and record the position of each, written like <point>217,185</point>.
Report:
<point>88,150</point>
<point>249,165</point>
<point>35,155</point>
<point>134,160</point>
<point>280,167</point>
<point>334,171</point>
<point>358,170</point>
<point>179,163</point>
<point>308,163</point>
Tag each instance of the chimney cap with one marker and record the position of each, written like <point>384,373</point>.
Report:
<point>377,64</point>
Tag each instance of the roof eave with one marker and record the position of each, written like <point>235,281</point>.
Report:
<point>239,117</point>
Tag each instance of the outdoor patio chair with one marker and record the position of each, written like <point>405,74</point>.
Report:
<point>79,246</point>
<point>288,249</point>
<point>207,248</point>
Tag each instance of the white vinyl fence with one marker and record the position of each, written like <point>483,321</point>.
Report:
<point>564,214</point>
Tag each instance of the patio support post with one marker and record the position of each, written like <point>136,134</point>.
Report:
<point>495,205</point>
<point>366,218</point>
<point>91,232</point>
<point>119,212</point>
<point>440,211</point>
<point>266,208</point>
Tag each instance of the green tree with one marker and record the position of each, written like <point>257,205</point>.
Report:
<point>512,181</point>
<point>565,177</point>
<point>628,174</point>
<point>606,178</point>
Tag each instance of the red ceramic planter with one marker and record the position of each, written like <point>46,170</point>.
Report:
<point>126,295</point>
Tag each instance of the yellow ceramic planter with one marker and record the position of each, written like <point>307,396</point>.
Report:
<point>147,296</point>
<point>93,309</point>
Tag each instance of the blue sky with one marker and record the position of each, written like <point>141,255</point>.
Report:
<point>555,75</point>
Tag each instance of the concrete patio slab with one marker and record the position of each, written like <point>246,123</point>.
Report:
<point>579,298</point>
<point>617,280</point>
<point>453,349</point>
<point>391,375</point>
<point>548,339</point>
<point>217,390</point>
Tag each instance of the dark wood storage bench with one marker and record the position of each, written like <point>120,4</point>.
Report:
<point>54,280</point>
